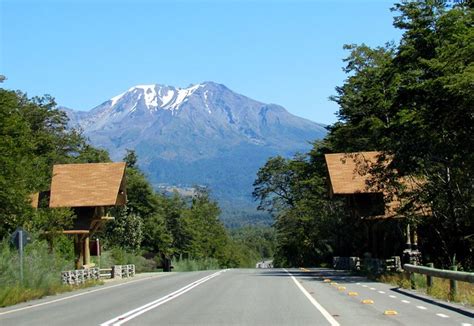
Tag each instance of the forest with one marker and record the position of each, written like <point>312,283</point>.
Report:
<point>413,101</point>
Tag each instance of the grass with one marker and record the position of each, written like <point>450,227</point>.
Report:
<point>439,290</point>
<point>13,294</point>
<point>42,273</point>
<point>189,265</point>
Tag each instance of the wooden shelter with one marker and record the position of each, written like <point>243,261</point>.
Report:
<point>351,176</point>
<point>89,189</point>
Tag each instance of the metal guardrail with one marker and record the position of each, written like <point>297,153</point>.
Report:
<point>441,273</point>
<point>105,273</point>
<point>452,275</point>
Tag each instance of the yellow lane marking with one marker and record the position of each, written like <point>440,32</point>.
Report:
<point>327,280</point>
<point>367,301</point>
<point>333,283</point>
<point>353,294</point>
<point>390,312</point>
<point>341,288</point>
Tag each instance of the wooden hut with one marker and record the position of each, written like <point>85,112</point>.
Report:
<point>351,177</point>
<point>89,189</point>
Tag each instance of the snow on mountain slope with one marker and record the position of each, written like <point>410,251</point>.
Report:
<point>157,96</point>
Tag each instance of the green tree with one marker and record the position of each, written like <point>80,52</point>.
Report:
<point>126,231</point>
<point>414,102</point>
<point>33,137</point>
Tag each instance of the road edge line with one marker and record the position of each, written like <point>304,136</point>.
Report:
<point>315,303</point>
<point>100,288</point>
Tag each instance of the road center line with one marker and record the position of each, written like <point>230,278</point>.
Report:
<point>77,295</point>
<point>315,303</point>
<point>151,305</point>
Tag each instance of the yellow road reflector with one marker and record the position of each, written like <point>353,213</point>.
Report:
<point>341,288</point>
<point>327,280</point>
<point>353,294</point>
<point>367,301</point>
<point>390,312</point>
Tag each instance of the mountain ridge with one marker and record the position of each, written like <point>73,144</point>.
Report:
<point>204,134</point>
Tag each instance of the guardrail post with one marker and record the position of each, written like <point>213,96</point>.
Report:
<point>453,285</point>
<point>411,277</point>
<point>429,279</point>
<point>412,281</point>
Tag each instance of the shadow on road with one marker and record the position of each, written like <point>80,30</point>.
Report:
<point>344,277</point>
<point>459,310</point>
<point>315,274</point>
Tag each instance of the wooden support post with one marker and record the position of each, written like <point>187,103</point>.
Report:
<point>87,251</point>
<point>429,279</point>
<point>79,250</point>
<point>408,236</point>
<point>453,285</point>
<point>374,240</point>
<point>415,239</point>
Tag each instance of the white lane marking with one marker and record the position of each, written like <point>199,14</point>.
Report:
<point>466,324</point>
<point>373,289</point>
<point>358,283</point>
<point>381,292</point>
<point>78,295</point>
<point>405,301</point>
<point>151,305</point>
<point>421,307</point>
<point>392,296</point>
<point>365,286</point>
<point>442,315</point>
<point>315,303</point>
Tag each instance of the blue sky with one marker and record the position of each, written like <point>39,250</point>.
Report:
<point>284,52</point>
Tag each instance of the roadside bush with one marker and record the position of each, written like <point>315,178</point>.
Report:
<point>189,265</point>
<point>120,256</point>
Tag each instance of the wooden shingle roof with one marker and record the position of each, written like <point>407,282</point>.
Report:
<point>85,185</point>
<point>349,172</point>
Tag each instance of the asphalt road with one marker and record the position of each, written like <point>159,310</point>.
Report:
<point>240,297</point>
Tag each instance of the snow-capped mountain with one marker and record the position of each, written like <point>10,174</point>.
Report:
<point>204,134</point>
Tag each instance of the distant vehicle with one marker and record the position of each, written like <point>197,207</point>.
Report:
<point>264,264</point>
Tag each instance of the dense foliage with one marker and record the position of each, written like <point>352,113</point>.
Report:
<point>34,136</point>
<point>414,101</point>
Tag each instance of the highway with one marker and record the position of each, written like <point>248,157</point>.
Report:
<point>239,297</point>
